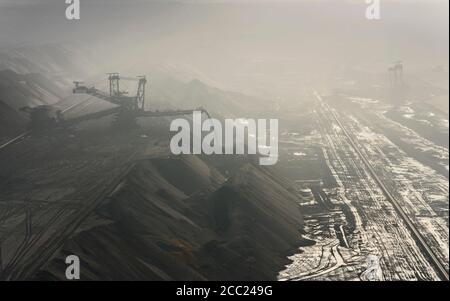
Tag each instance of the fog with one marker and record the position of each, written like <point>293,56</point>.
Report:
<point>269,140</point>
<point>273,48</point>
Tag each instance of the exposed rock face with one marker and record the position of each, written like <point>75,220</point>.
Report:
<point>181,219</point>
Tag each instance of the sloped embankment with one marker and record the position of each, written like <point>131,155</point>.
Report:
<point>181,219</point>
<point>20,90</point>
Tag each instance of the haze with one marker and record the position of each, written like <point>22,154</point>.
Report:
<point>272,48</point>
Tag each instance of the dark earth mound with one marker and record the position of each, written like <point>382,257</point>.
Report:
<point>183,219</point>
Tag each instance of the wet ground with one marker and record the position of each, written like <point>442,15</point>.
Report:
<point>358,232</point>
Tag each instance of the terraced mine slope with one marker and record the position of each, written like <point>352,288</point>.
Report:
<point>130,211</point>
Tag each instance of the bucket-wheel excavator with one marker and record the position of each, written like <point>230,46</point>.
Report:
<point>128,107</point>
<point>126,110</point>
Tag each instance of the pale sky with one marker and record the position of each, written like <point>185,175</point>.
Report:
<point>255,38</point>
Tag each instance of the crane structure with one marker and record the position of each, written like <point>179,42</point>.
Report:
<point>398,90</point>
<point>128,107</point>
<point>137,102</point>
<point>396,74</point>
<point>116,96</point>
<point>126,110</point>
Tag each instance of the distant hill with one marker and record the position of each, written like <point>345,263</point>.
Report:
<point>169,93</point>
<point>43,74</point>
<point>18,90</point>
<point>37,75</point>
<point>58,62</point>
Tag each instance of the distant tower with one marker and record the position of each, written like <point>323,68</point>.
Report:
<point>396,82</point>
<point>396,74</point>
<point>114,84</point>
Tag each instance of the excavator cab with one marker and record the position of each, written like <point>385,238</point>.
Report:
<point>82,89</point>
